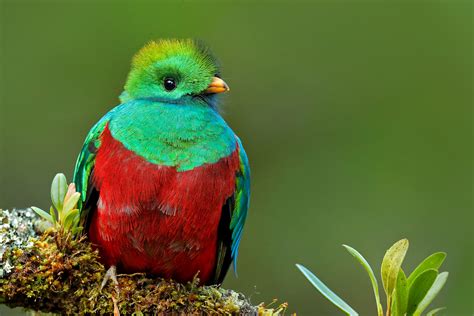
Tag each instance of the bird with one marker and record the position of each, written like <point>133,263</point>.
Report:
<point>164,181</point>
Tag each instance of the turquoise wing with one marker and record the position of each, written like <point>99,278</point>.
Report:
<point>233,218</point>
<point>242,200</point>
<point>85,165</point>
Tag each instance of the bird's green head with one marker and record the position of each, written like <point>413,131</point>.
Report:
<point>170,70</point>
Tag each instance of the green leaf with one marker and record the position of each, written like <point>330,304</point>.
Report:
<point>326,292</point>
<point>432,293</point>
<point>71,219</point>
<point>75,221</point>
<point>419,289</point>
<point>391,264</point>
<point>53,214</point>
<point>75,230</point>
<point>435,311</point>
<point>70,203</point>
<point>42,214</point>
<point>400,296</point>
<point>431,262</point>
<point>371,274</point>
<point>58,190</point>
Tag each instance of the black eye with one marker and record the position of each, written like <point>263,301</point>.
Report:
<point>169,84</point>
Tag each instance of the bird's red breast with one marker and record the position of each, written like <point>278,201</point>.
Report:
<point>155,219</point>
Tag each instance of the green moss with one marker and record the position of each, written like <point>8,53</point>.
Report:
<point>62,275</point>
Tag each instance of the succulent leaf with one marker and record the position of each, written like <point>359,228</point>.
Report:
<point>433,261</point>
<point>400,296</point>
<point>432,293</point>
<point>419,288</point>
<point>391,264</point>
<point>42,214</point>
<point>58,190</point>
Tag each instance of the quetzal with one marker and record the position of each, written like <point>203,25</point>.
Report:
<point>164,180</point>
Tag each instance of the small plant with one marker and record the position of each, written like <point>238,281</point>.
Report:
<point>408,296</point>
<point>63,214</point>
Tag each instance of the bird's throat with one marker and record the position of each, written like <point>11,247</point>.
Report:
<point>180,135</point>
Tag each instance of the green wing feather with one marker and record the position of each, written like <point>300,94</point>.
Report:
<point>85,164</point>
<point>242,199</point>
<point>233,218</point>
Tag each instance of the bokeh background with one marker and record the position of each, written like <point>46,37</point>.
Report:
<point>356,116</point>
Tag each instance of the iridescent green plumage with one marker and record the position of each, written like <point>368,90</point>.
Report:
<point>188,61</point>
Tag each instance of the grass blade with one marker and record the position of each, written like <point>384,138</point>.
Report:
<point>326,292</point>
<point>371,274</point>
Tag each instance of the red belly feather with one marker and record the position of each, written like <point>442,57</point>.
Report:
<point>154,219</point>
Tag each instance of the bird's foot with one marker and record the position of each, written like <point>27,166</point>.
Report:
<point>111,274</point>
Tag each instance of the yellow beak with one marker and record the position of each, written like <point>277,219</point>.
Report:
<point>217,86</point>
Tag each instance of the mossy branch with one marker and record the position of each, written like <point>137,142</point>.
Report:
<point>42,274</point>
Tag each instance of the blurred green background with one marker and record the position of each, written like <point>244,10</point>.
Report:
<point>356,116</point>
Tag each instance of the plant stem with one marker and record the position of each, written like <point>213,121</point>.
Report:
<point>389,305</point>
